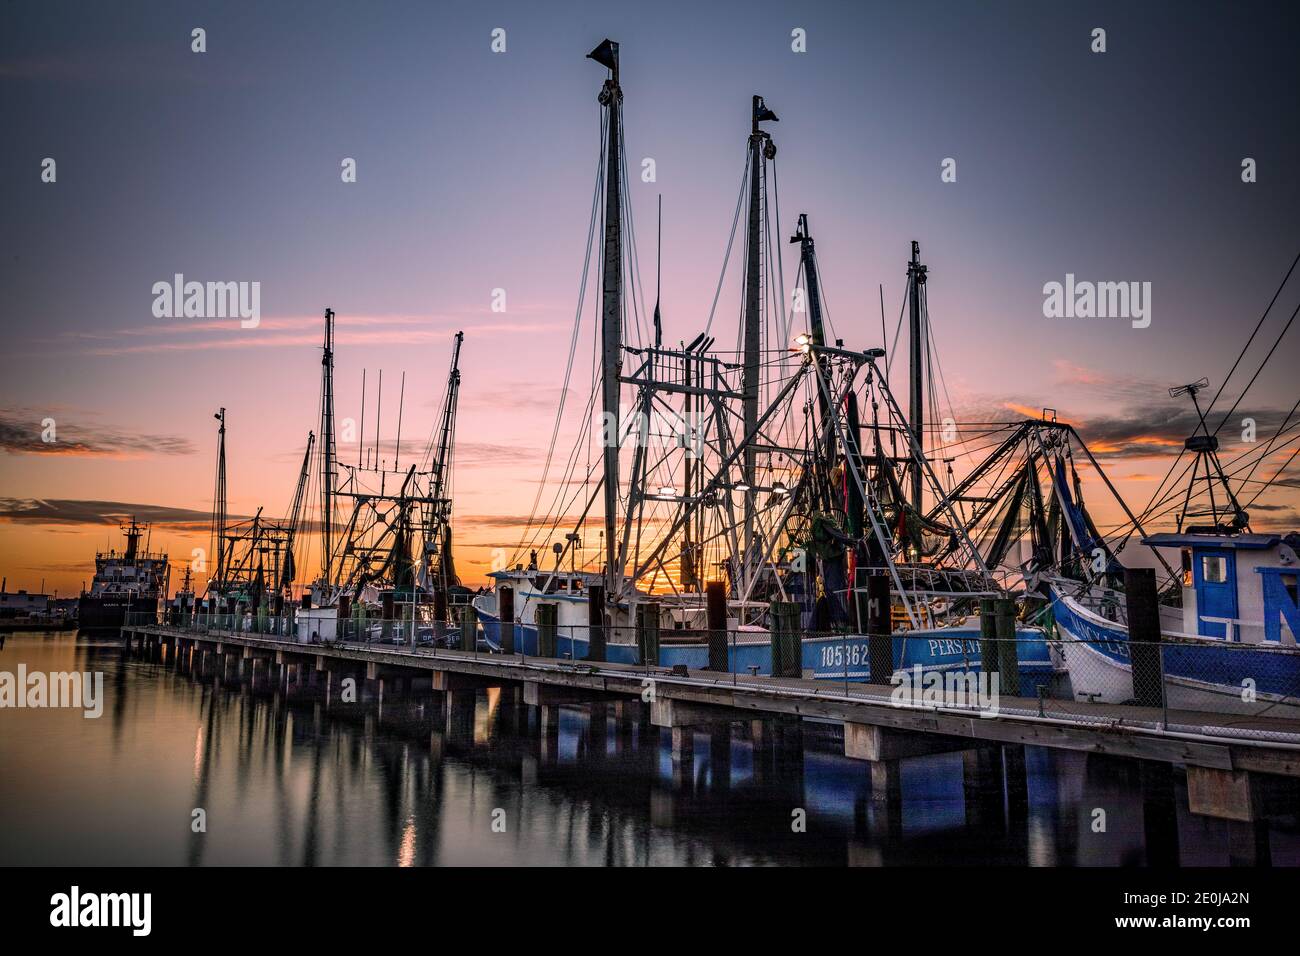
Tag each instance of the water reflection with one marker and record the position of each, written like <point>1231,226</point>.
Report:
<point>288,773</point>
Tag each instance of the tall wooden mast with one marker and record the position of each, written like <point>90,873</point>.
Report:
<point>916,399</point>
<point>327,470</point>
<point>611,337</point>
<point>760,146</point>
<point>219,500</point>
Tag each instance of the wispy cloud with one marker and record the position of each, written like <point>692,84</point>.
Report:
<point>22,432</point>
<point>78,511</point>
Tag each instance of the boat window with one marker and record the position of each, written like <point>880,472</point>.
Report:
<point>1293,592</point>
<point>1214,569</point>
<point>1187,567</point>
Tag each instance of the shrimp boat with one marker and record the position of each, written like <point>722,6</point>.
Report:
<point>734,488</point>
<point>386,569</point>
<point>1228,621</point>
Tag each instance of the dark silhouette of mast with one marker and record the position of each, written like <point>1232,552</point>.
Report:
<point>916,274</point>
<point>327,471</point>
<point>760,146</point>
<point>219,501</point>
<point>611,97</point>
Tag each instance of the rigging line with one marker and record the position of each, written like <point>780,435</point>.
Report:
<point>735,219</point>
<point>634,257</point>
<point>1217,394</point>
<point>577,325</point>
<point>1278,341</point>
<point>1246,347</point>
<point>1270,481</point>
<point>786,319</point>
<point>1174,499</point>
<point>1174,493</point>
<point>898,332</point>
<point>1285,422</point>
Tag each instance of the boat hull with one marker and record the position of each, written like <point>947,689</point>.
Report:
<point>1199,675</point>
<point>834,657</point>
<point>109,613</point>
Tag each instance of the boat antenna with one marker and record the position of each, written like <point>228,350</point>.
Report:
<point>362,443</point>
<point>1205,447</point>
<point>659,258</point>
<point>401,402</point>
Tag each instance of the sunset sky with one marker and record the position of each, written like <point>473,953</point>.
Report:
<point>474,172</point>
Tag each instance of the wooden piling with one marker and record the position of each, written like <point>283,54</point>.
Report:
<point>715,595</point>
<point>1142,601</point>
<point>468,630</point>
<point>787,655</point>
<point>880,642</point>
<point>647,632</point>
<point>547,619</point>
<point>596,622</point>
<point>506,618</point>
<point>1008,661</point>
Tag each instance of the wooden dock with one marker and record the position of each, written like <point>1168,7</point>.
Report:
<point>1226,757</point>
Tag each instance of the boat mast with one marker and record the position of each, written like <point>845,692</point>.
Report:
<point>219,500</point>
<point>916,274</point>
<point>295,516</point>
<point>327,475</point>
<point>611,97</point>
<point>808,258</point>
<point>760,146</point>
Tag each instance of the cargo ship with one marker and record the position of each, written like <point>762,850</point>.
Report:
<point>132,581</point>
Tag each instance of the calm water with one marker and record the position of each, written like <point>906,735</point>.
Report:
<point>287,780</point>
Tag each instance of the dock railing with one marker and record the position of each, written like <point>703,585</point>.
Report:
<point>1162,684</point>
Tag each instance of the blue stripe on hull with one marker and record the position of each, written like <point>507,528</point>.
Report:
<point>826,658</point>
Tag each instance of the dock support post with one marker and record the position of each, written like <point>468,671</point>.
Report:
<point>1159,813</point>
<point>1013,763</point>
<point>887,797</point>
<point>683,756</point>
<point>715,596</point>
<point>548,729</point>
<point>720,757</point>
